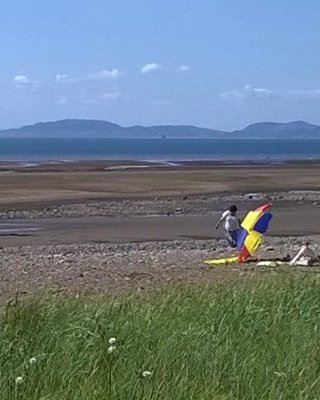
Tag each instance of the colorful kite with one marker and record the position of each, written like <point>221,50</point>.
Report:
<point>250,235</point>
<point>251,232</point>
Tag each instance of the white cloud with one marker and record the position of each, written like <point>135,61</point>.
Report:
<point>150,67</point>
<point>256,92</point>
<point>247,92</point>
<point>304,94</point>
<point>21,81</point>
<point>262,92</point>
<point>93,76</point>
<point>62,101</point>
<point>184,68</point>
<point>110,96</point>
<point>251,92</point>
<point>63,78</point>
<point>104,74</point>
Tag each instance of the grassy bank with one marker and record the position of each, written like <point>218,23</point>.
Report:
<point>252,339</point>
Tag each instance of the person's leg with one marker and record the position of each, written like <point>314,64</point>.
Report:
<point>234,235</point>
<point>231,237</point>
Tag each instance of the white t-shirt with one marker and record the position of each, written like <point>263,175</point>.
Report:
<point>231,222</point>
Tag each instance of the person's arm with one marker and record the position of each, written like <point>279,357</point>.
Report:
<point>223,217</point>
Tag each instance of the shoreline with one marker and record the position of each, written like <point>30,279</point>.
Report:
<point>109,164</point>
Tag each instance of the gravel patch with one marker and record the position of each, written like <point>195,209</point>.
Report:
<point>200,205</point>
<point>102,267</point>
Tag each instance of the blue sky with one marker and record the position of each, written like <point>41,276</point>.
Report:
<point>221,64</point>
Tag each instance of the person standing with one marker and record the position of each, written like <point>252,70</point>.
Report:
<point>231,225</point>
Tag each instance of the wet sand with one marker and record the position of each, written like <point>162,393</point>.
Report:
<point>42,232</point>
<point>45,185</point>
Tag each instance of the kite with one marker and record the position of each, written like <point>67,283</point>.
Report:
<point>249,236</point>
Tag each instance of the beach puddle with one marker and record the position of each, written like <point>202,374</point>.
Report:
<point>17,229</point>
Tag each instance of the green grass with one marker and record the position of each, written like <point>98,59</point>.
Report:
<point>251,339</point>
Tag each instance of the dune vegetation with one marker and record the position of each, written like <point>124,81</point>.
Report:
<point>252,338</point>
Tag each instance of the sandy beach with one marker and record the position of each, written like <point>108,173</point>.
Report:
<point>102,225</point>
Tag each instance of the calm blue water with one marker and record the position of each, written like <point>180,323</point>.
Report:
<point>18,149</point>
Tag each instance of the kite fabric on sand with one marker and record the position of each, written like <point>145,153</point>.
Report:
<point>249,237</point>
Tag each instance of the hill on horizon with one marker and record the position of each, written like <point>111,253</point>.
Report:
<point>84,128</point>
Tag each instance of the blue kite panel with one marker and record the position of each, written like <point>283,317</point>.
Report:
<point>241,237</point>
<point>262,225</point>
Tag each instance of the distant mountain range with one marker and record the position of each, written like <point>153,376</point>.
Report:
<point>82,128</point>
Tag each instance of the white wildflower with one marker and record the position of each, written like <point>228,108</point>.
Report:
<point>19,380</point>
<point>146,374</point>
<point>32,360</point>
<point>111,349</point>
<point>112,340</point>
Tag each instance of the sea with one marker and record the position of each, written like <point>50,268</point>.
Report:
<point>165,150</point>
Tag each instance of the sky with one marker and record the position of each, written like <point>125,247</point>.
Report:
<point>221,64</point>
